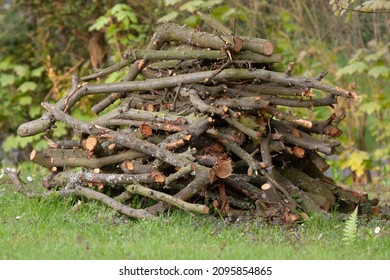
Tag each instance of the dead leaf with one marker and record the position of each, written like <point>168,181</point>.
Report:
<point>290,217</point>
<point>238,43</point>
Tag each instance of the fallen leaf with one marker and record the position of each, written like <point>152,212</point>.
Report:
<point>238,43</point>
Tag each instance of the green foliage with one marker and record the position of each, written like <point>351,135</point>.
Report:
<point>350,228</point>
<point>41,40</point>
<point>348,7</point>
<point>371,115</point>
<point>121,27</point>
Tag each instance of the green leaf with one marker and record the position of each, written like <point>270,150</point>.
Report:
<point>37,72</point>
<point>99,23</point>
<point>350,229</point>
<point>27,86</point>
<point>191,21</point>
<point>370,107</point>
<point>353,68</point>
<point>21,71</point>
<point>60,130</point>
<point>357,161</point>
<point>114,77</point>
<point>34,111</point>
<point>191,6</point>
<point>7,79</point>
<point>373,57</point>
<point>378,71</point>
<point>11,142</point>
<point>6,64</point>
<point>168,17</point>
<point>25,100</point>
<point>118,8</point>
<point>171,2</point>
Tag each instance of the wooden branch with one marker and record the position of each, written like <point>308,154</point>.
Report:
<point>306,142</point>
<point>184,171</point>
<point>110,202</point>
<point>76,158</point>
<point>155,55</point>
<point>160,196</point>
<point>85,192</point>
<point>117,137</point>
<point>40,125</point>
<point>133,167</point>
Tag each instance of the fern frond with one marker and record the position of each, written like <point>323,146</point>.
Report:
<point>350,229</point>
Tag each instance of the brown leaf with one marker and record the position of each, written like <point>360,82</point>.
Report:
<point>290,217</point>
<point>238,43</point>
<point>216,148</point>
<point>146,130</point>
<point>223,168</point>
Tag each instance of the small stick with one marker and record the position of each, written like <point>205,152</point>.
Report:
<point>160,196</point>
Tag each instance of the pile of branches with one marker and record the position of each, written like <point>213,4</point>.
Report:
<point>201,120</point>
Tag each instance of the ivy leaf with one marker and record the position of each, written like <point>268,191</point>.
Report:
<point>168,17</point>
<point>370,107</point>
<point>99,23</point>
<point>27,86</point>
<point>7,79</point>
<point>378,71</point>
<point>25,100</point>
<point>353,68</point>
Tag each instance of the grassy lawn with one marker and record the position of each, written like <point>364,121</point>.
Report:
<point>50,229</point>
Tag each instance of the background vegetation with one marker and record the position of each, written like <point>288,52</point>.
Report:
<point>42,43</point>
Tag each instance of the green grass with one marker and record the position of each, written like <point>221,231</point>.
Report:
<point>50,229</point>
